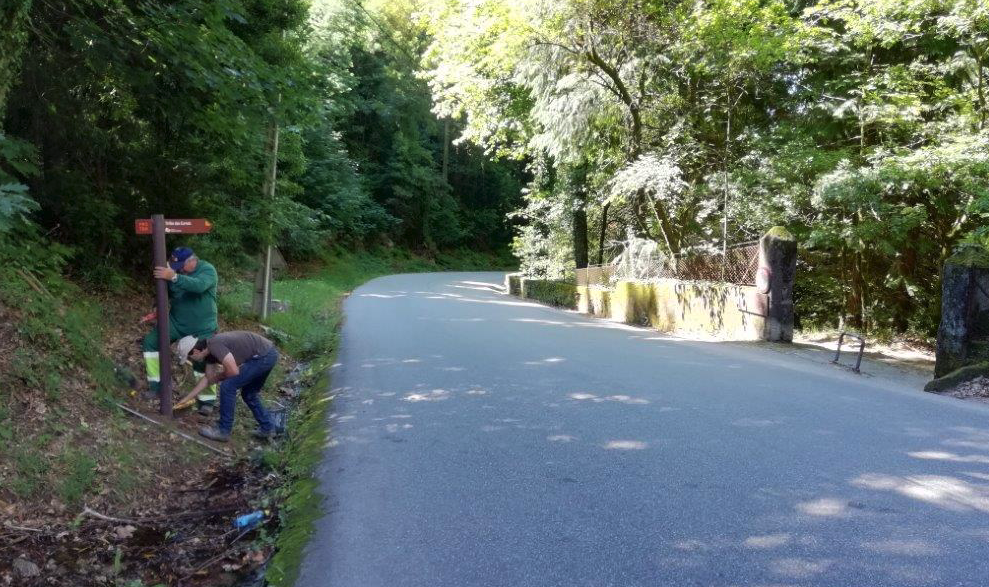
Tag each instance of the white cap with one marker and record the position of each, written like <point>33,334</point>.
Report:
<point>184,346</point>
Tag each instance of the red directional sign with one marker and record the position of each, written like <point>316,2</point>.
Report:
<point>175,226</point>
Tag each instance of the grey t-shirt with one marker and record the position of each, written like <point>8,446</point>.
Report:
<point>241,344</point>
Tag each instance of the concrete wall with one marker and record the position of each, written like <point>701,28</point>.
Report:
<point>725,310</point>
<point>731,312</point>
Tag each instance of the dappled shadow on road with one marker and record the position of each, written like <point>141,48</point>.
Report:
<point>870,517</point>
<point>879,525</point>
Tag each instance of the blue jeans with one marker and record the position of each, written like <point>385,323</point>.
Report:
<point>253,373</point>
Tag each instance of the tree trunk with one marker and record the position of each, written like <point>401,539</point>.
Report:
<point>580,237</point>
<point>856,301</point>
<point>980,89</point>
<point>604,230</point>
<point>446,151</point>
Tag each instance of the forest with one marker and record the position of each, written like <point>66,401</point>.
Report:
<point>561,127</point>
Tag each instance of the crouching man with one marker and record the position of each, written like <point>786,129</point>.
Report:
<point>246,360</point>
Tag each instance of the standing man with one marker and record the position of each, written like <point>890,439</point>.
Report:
<point>247,360</point>
<point>192,296</point>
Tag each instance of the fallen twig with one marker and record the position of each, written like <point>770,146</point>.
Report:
<point>36,285</point>
<point>86,511</point>
<point>21,528</point>
<point>174,431</point>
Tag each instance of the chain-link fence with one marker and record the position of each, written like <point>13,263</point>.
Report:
<point>738,265</point>
<point>600,275</point>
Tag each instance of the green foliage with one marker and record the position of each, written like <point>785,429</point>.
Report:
<point>17,162</point>
<point>860,125</point>
<point>556,293</point>
<point>170,107</point>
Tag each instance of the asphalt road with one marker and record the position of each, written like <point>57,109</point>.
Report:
<point>482,440</point>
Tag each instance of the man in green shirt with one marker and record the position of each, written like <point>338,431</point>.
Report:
<point>192,297</point>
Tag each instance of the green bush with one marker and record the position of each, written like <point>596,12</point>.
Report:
<point>514,283</point>
<point>556,293</point>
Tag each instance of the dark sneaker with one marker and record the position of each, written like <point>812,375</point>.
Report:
<point>262,435</point>
<point>214,433</point>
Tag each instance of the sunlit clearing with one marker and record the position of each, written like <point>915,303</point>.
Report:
<point>625,445</point>
<point>826,506</point>
<point>690,545</point>
<point>767,541</point>
<point>799,568</point>
<point>946,492</point>
<point>753,422</point>
<point>623,399</point>
<point>948,456</point>
<point>484,284</point>
<point>432,396</point>
<point>535,321</point>
<point>561,438</point>
<point>501,303</point>
<point>549,360</point>
<point>906,547</point>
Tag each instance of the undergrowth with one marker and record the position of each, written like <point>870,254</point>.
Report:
<point>51,363</point>
<point>65,443</point>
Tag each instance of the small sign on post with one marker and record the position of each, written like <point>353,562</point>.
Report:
<point>175,225</point>
<point>158,226</point>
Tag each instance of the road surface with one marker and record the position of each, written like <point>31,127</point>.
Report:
<point>483,440</point>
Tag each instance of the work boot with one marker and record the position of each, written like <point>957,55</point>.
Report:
<point>214,433</point>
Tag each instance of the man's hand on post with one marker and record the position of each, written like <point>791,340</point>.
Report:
<point>165,273</point>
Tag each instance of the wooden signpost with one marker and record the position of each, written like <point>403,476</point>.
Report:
<point>158,226</point>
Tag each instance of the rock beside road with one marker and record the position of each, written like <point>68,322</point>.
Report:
<point>977,389</point>
<point>25,569</point>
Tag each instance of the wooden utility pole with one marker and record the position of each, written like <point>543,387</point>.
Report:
<point>271,174</point>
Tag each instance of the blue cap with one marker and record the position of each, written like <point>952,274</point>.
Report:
<point>179,256</point>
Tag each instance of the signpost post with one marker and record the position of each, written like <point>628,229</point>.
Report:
<point>161,302</point>
<point>158,226</point>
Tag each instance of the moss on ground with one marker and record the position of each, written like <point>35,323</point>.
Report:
<point>958,376</point>
<point>780,232</point>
